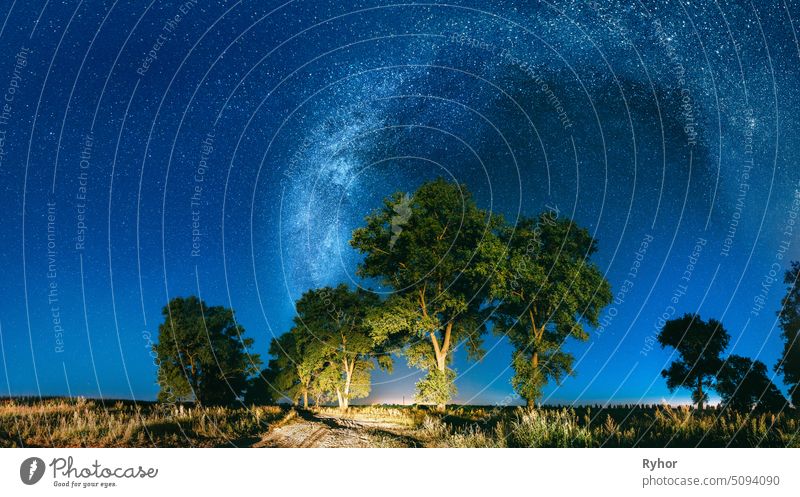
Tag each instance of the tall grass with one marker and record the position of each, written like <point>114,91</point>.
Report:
<point>88,423</point>
<point>81,422</point>
<point>655,426</point>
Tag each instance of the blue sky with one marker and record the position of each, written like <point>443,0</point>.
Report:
<point>232,151</point>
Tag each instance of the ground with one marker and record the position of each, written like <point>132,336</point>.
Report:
<point>309,429</point>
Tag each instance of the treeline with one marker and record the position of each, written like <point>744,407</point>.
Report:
<point>447,272</point>
<point>742,384</point>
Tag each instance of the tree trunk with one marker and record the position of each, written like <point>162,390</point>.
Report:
<point>440,353</point>
<point>535,371</point>
<point>195,383</point>
<point>305,399</point>
<point>344,401</point>
<point>339,398</point>
<point>441,365</point>
<point>700,395</point>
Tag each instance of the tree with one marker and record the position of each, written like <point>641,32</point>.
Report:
<point>435,250</point>
<point>789,320</point>
<point>202,354</point>
<point>297,361</point>
<point>699,345</point>
<point>336,318</point>
<point>743,385</point>
<point>325,383</point>
<point>545,292</point>
<point>261,388</point>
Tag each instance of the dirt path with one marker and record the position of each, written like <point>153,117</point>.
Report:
<point>312,430</point>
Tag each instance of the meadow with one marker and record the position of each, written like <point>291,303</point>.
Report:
<point>62,422</point>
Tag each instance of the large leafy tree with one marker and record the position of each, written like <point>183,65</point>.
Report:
<point>325,383</point>
<point>296,365</point>
<point>699,345</point>
<point>789,319</point>
<point>336,319</point>
<point>436,250</point>
<point>261,388</point>
<point>546,290</point>
<point>202,354</point>
<point>743,385</point>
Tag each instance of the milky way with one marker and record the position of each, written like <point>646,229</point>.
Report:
<point>229,149</point>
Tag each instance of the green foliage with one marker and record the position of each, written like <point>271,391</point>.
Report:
<point>297,359</point>
<point>329,353</point>
<point>743,385</point>
<point>437,387</point>
<point>789,319</point>
<point>454,267</point>
<point>325,382</point>
<point>699,345</point>
<point>336,318</point>
<point>546,291</point>
<point>530,379</point>
<point>202,354</point>
<point>435,249</point>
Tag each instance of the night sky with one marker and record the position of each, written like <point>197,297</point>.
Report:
<point>228,149</point>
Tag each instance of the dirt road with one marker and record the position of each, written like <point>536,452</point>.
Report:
<point>312,430</point>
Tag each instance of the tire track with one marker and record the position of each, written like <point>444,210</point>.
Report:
<point>309,430</point>
<point>314,437</point>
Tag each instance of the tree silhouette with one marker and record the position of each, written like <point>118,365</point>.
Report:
<point>789,319</point>
<point>743,385</point>
<point>699,345</point>
<point>202,354</point>
<point>261,389</point>
<point>545,291</point>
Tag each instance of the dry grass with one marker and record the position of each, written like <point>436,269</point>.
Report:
<point>89,423</point>
<point>81,423</point>
<point>635,426</point>
<point>404,416</point>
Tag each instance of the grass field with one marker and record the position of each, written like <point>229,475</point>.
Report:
<point>92,423</point>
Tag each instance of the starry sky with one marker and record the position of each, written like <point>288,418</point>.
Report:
<point>228,149</point>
